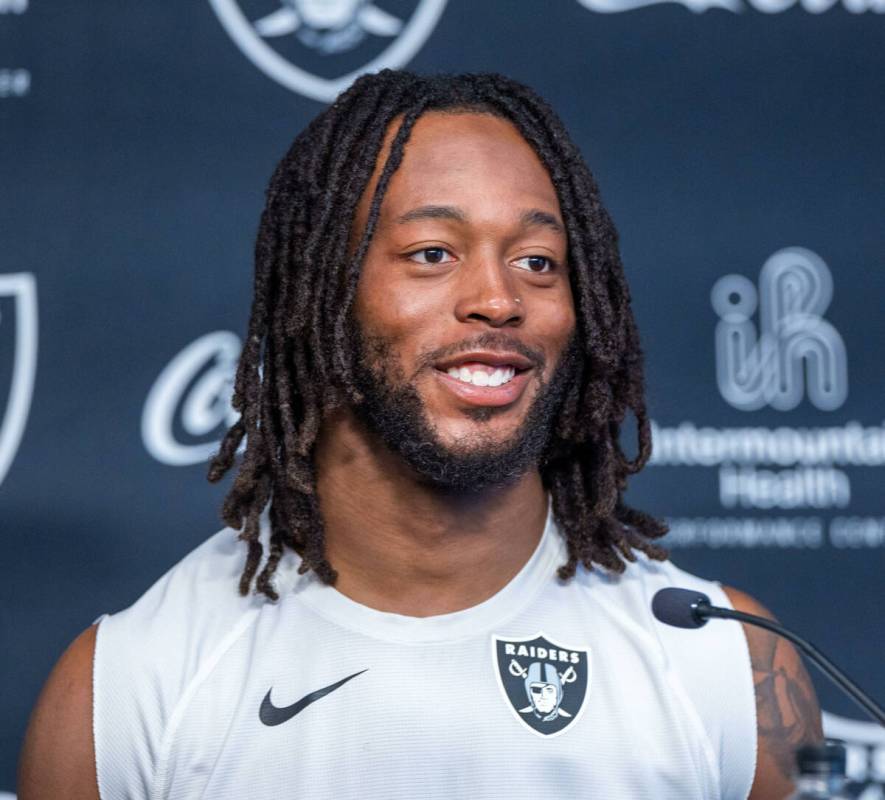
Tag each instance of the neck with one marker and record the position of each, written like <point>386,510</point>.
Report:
<point>399,545</point>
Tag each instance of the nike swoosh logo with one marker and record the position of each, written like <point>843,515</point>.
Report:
<point>270,715</point>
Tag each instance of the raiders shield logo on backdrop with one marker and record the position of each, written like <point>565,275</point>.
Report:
<point>18,360</point>
<point>544,683</point>
<point>319,47</point>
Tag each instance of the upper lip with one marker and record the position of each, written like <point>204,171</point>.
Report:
<point>495,359</point>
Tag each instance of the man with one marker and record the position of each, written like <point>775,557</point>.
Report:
<point>439,358</point>
<point>544,696</point>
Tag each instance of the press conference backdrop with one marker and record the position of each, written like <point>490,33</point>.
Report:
<point>738,145</point>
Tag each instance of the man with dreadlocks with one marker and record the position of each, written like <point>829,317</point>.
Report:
<point>445,593</point>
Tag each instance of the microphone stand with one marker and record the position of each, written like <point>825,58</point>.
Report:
<point>703,610</point>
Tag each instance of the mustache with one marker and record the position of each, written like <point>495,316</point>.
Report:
<point>491,341</point>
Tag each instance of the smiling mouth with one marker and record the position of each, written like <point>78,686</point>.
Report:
<point>479,374</point>
<point>486,380</point>
<point>487,376</point>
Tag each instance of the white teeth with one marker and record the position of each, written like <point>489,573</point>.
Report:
<point>479,377</point>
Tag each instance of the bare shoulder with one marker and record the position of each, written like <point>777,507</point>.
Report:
<point>58,756</point>
<point>787,712</point>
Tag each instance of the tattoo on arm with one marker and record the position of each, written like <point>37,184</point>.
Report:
<point>786,707</point>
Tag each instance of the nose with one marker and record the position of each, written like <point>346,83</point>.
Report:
<point>488,292</point>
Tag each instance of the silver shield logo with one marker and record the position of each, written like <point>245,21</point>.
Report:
<point>545,684</point>
<point>18,329</point>
<point>330,34</point>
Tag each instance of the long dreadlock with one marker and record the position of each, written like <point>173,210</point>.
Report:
<point>296,362</point>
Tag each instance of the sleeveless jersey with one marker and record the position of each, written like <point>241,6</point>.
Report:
<point>547,689</point>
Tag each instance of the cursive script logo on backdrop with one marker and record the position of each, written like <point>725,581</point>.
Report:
<point>192,394</point>
<point>739,6</point>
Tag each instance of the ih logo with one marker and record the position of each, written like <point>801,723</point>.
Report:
<point>318,47</point>
<point>545,684</point>
<point>794,349</point>
<point>18,359</point>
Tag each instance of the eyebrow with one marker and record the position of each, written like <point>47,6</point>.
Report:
<point>529,218</point>
<point>534,216</point>
<point>433,212</point>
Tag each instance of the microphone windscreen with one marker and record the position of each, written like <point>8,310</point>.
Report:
<point>677,607</point>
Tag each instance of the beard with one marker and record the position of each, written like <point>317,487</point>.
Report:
<point>393,409</point>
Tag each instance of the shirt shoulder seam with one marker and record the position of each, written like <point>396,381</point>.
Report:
<point>158,786</point>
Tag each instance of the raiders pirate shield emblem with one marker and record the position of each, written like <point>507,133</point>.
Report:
<point>544,683</point>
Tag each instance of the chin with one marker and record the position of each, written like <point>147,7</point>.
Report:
<point>483,425</point>
<point>460,443</point>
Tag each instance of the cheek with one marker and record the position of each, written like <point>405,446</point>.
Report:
<point>558,320</point>
<point>397,311</point>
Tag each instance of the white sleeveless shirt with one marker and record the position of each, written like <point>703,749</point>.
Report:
<point>547,688</point>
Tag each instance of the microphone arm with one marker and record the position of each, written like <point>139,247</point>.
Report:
<point>703,610</point>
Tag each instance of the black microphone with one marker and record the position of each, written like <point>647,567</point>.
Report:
<point>684,608</point>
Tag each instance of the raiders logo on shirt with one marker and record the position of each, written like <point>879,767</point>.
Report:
<point>544,683</point>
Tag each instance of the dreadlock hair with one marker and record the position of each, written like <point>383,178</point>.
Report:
<point>296,363</point>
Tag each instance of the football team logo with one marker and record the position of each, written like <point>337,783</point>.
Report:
<point>18,337</point>
<point>319,47</point>
<point>544,683</point>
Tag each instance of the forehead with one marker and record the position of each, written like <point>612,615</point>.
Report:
<point>463,158</point>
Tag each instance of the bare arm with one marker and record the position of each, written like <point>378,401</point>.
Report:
<point>58,756</point>
<point>787,712</point>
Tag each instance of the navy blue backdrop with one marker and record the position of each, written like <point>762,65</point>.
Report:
<point>738,145</point>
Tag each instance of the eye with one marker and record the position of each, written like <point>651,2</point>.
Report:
<point>537,263</point>
<point>429,255</point>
